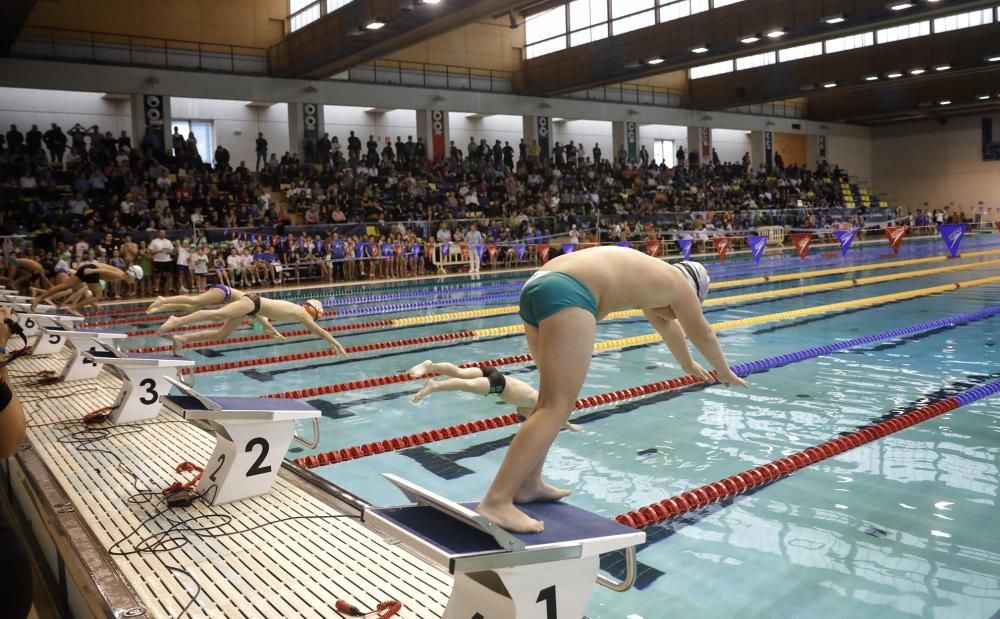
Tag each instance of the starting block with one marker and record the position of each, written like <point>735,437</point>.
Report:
<point>252,437</point>
<point>144,381</point>
<point>79,367</point>
<point>51,330</point>
<point>503,575</point>
<point>24,315</point>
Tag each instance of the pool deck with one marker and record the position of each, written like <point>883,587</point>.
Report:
<point>76,497</point>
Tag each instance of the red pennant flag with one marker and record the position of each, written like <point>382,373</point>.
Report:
<point>997,223</point>
<point>653,248</point>
<point>491,250</point>
<point>895,235</point>
<point>543,253</point>
<point>465,252</point>
<point>801,241</point>
<point>429,250</point>
<point>722,245</point>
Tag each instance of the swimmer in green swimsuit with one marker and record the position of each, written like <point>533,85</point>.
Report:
<point>561,306</point>
<point>480,381</point>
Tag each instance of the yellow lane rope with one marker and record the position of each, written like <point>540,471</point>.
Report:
<point>512,309</point>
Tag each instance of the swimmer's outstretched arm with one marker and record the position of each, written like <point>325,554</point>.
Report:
<point>266,323</point>
<point>674,337</point>
<point>321,332</point>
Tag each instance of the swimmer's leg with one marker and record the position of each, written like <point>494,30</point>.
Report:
<point>562,346</point>
<point>224,313</point>
<point>446,369</point>
<point>179,341</point>
<point>479,386</point>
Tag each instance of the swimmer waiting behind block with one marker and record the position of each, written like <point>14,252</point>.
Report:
<point>480,381</point>
<point>255,307</point>
<point>219,294</point>
<point>560,306</point>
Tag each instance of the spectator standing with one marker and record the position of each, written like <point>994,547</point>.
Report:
<point>15,140</point>
<point>55,141</point>
<point>473,239</point>
<point>178,143</point>
<point>163,251</point>
<point>34,141</point>
<point>260,147</point>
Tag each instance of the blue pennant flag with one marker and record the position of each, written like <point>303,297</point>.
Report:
<point>952,235</point>
<point>519,250</point>
<point>479,250</point>
<point>415,250</point>
<point>757,246</point>
<point>845,238</point>
<point>623,244</point>
<point>568,247</point>
<point>685,245</point>
<point>445,248</point>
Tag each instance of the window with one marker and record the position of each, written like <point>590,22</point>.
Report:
<point>906,31</point>
<point>202,130</point>
<point>584,13</point>
<point>589,35</point>
<point>633,22</point>
<point>333,5</point>
<point>545,25</point>
<point>800,51</point>
<point>670,11</point>
<point>663,152</point>
<point>304,17</point>
<point>294,6</point>
<point>621,8</point>
<point>754,61</point>
<point>854,41</point>
<point>546,47</point>
<point>721,3</point>
<point>708,70</point>
<point>963,20</point>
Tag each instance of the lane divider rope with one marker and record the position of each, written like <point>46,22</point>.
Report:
<point>741,369</point>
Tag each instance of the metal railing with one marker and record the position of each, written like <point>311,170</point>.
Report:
<point>779,109</point>
<point>637,94</point>
<point>427,75</point>
<point>123,49</point>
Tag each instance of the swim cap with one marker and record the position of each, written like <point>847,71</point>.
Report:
<point>135,271</point>
<point>697,276</point>
<point>314,308</point>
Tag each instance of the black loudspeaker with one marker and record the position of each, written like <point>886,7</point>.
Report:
<point>310,121</point>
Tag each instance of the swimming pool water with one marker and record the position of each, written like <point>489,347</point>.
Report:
<point>902,527</point>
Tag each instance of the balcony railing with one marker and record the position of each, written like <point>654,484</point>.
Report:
<point>121,49</point>
<point>637,94</point>
<point>426,75</point>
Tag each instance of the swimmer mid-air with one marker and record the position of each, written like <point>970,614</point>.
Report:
<point>255,307</point>
<point>480,381</point>
<point>560,306</point>
<point>219,294</point>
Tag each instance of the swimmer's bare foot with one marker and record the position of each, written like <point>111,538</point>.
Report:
<point>534,492</point>
<point>421,368</point>
<point>572,427</point>
<point>509,518</point>
<point>177,345</point>
<point>424,391</point>
<point>74,311</point>
<point>34,304</point>
<point>168,324</point>
<point>155,305</point>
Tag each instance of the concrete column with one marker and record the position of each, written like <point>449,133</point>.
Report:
<point>152,111</point>
<point>759,154</point>
<point>434,130</point>
<point>305,125</point>
<point>619,139</point>
<point>700,143</point>
<point>815,150</point>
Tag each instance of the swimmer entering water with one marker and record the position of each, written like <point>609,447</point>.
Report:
<point>480,381</point>
<point>560,306</point>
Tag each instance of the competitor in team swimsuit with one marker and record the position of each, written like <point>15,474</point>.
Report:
<point>86,278</point>
<point>218,294</point>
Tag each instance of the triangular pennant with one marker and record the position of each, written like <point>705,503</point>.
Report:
<point>623,244</point>
<point>845,238</point>
<point>491,250</point>
<point>801,242</point>
<point>543,253</point>
<point>685,245</point>
<point>479,250</point>
<point>567,248</point>
<point>519,250</point>
<point>465,252</point>
<point>653,247</point>
<point>895,235</point>
<point>997,223</point>
<point>445,248</point>
<point>757,246</point>
<point>952,235</point>
<point>722,245</point>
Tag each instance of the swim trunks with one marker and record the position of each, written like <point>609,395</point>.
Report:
<point>256,304</point>
<point>549,292</point>
<point>88,274</point>
<point>497,380</point>
<point>225,290</point>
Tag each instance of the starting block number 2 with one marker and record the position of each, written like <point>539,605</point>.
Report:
<point>256,468</point>
<point>243,463</point>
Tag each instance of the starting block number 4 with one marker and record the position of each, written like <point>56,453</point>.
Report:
<point>80,366</point>
<point>243,463</point>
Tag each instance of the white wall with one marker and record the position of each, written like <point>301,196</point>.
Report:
<point>503,127</point>
<point>25,107</point>
<point>730,144</point>
<point>853,154</point>
<point>585,133</point>
<point>340,120</point>
<point>649,133</point>
<point>938,164</point>
<point>236,124</point>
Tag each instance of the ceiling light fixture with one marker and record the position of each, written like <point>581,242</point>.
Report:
<point>375,24</point>
<point>830,85</point>
<point>994,58</point>
<point>656,60</point>
<point>699,49</point>
<point>833,20</point>
<point>777,33</point>
<point>918,71</point>
<point>753,38</point>
<point>942,67</point>
<point>899,5</point>
<point>944,102</point>
<point>983,98</point>
<point>894,75</point>
<point>871,78</point>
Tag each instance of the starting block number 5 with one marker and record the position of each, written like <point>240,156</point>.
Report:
<point>244,465</point>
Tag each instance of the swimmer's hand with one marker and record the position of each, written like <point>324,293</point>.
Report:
<point>729,379</point>
<point>695,369</point>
